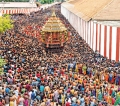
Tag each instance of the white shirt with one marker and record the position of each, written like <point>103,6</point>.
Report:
<point>69,100</point>
<point>30,94</point>
<point>16,92</point>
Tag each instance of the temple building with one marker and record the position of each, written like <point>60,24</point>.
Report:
<point>17,7</point>
<point>98,23</point>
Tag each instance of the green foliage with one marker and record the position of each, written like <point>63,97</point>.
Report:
<point>14,0</point>
<point>5,23</point>
<point>46,1</point>
<point>38,4</point>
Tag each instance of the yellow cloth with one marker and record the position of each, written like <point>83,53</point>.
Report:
<point>11,103</point>
<point>72,91</point>
<point>76,68</point>
<point>63,99</point>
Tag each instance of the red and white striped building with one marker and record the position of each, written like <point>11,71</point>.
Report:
<point>16,11</point>
<point>100,35</point>
<point>21,7</point>
<point>19,10</point>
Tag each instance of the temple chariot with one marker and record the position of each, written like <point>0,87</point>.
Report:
<point>54,34</point>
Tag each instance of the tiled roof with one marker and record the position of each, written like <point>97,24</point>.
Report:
<point>95,9</point>
<point>110,12</point>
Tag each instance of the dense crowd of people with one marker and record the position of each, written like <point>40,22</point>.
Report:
<point>76,76</point>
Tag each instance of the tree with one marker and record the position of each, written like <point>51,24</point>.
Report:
<point>5,23</point>
<point>14,0</point>
<point>38,4</point>
<point>46,1</point>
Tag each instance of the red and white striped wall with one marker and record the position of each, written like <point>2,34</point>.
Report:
<point>15,11</point>
<point>26,10</point>
<point>105,39</point>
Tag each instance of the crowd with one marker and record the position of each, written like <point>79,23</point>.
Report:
<point>77,76</point>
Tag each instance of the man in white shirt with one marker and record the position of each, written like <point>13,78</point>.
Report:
<point>30,96</point>
<point>21,101</point>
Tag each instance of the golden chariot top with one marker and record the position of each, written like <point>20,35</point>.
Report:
<point>54,24</point>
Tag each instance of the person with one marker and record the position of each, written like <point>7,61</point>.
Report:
<point>82,101</point>
<point>1,102</point>
<point>26,100</point>
<point>42,88</point>
<point>11,101</point>
<point>7,99</point>
<point>117,102</point>
<point>21,101</point>
<point>84,69</point>
<point>33,96</point>
<point>92,103</point>
<point>67,103</point>
<point>100,96</point>
<point>7,90</point>
<point>73,104</point>
<point>35,75</point>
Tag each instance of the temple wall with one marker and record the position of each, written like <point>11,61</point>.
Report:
<point>19,10</point>
<point>23,9</point>
<point>105,39</point>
